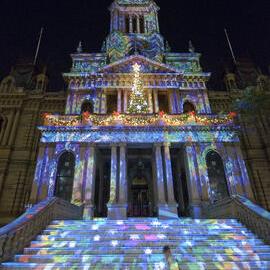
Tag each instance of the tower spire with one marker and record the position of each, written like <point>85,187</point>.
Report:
<point>79,48</point>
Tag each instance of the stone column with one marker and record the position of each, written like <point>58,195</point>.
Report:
<point>159,175</point>
<point>192,180</point>
<point>7,130</point>
<point>157,23</point>
<point>165,210</point>
<point>47,178</point>
<point>232,171</point>
<point>14,128</point>
<point>114,173</point>
<point>123,185</point>
<point>156,101</point>
<point>119,100</point>
<point>150,101</point>
<point>168,173</point>
<point>38,174</point>
<point>90,175</point>
<point>77,197</point>
<point>138,24</point>
<point>130,25</point>
<point>114,187</point>
<point>172,205</point>
<point>171,101</point>
<point>244,174</point>
<point>125,101</point>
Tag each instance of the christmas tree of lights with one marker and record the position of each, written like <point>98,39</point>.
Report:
<point>138,98</point>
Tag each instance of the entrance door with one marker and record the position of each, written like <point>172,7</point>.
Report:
<point>140,202</point>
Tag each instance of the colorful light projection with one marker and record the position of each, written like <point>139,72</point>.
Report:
<point>196,245</point>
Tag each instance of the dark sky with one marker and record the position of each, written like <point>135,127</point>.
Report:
<point>67,22</point>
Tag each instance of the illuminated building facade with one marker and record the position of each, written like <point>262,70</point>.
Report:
<point>24,98</point>
<point>138,137</point>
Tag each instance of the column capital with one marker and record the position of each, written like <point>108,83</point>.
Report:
<point>113,145</point>
<point>122,144</point>
<point>166,144</point>
<point>83,145</point>
<point>91,145</point>
<point>157,145</point>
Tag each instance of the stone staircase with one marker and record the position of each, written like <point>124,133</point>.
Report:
<point>137,244</point>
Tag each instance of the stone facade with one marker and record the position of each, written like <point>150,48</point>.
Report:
<point>21,106</point>
<point>100,84</point>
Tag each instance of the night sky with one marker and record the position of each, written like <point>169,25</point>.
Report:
<point>68,22</point>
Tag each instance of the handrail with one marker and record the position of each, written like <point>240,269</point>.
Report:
<point>15,236</point>
<point>251,215</point>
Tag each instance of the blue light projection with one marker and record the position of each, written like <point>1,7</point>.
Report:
<point>137,244</point>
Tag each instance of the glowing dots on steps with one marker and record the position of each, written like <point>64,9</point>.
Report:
<point>134,237</point>
<point>156,223</point>
<point>114,243</point>
<point>161,236</point>
<point>148,251</point>
<point>160,266</point>
<point>72,244</point>
<point>95,227</point>
<point>120,222</point>
<point>97,238</point>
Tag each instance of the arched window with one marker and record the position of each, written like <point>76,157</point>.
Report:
<point>188,107</point>
<point>39,85</point>
<point>216,175</point>
<point>65,176</point>
<point>87,106</point>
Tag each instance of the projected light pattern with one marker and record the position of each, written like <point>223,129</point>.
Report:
<point>196,244</point>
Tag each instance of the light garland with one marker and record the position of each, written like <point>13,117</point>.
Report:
<point>117,119</point>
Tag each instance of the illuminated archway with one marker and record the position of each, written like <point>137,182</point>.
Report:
<point>87,106</point>
<point>188,107</point>
<point>65,176</point>
<point>216,175</point>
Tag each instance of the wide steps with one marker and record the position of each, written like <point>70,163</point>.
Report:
<point>131,230</point>
<point>140,250</point>
<point>140,266</point>
<point>137,244</point>
<point>130,258</point>
<point>73,244</point>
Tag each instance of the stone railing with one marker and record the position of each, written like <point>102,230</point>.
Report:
<point>251,215</point>
<point>15,236</point>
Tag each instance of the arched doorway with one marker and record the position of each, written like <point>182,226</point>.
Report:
<point>188,107</point>
<point>216,175</point>
<point>87,106</point>
<point>140,174</point>
<point>65,176</point>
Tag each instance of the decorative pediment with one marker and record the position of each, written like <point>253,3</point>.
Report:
<point>147,66</point>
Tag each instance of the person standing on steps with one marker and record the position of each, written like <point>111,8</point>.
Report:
<point>172,263</point>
